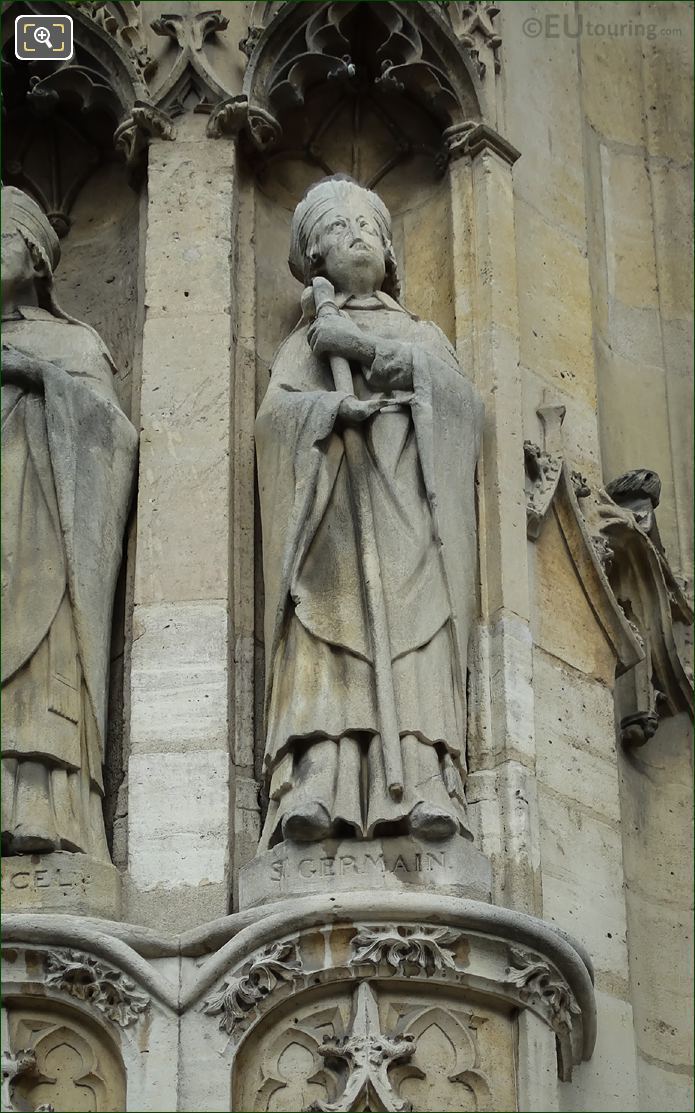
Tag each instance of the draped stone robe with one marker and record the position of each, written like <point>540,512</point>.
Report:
<point>68,468</point>
<point>320,684</point>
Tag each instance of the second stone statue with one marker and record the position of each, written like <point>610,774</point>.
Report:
<point>69,455</point>
<point>367,442</point>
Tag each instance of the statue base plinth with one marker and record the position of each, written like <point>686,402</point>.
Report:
<point>61,882</point>
<point>452,866</point>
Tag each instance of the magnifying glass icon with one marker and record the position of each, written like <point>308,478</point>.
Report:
<point>42,35</point>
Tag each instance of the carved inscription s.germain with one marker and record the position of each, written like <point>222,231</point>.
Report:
<point>360,864</point>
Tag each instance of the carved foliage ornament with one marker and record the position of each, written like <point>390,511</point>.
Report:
<point>539,984</point>
<point>259,977</point>
<point>191,82</point>
<point>406,950</point>
<point>88,979</point>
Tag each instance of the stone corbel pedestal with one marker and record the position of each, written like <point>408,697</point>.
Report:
<point>373,1000</point>
<point>353,1001</point>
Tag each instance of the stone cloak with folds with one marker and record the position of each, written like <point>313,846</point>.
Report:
<point>319,677</point>
<point>69,464</point>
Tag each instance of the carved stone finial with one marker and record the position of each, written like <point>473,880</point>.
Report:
<point>542,476</point>
<point>473,24</point>
<point>123,21</point>
<point>247,45</point>
<point>190,31</point>
<point>367,1054</point>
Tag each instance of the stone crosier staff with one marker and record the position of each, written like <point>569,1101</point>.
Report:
<point>324,300</point>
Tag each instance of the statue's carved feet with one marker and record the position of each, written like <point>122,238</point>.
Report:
<point>307,824</point>
<point>429,822</point>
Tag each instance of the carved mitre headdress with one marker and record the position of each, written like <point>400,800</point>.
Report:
<point>323,197</point>
<point>21,213</point>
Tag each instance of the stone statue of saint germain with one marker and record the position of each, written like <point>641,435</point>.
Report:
<point>367,442</point>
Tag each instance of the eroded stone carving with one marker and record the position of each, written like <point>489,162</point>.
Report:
<point>15,1066</point>
<point>362,1059</point>
<point>654,603</point>
<point>123,20</point>
<point>542,475</point>
<point>258,978</point>
<point>145,122</point>
<point>109,990</point>
<point>407,950</point>
<point>369,544</point>
<point>191,83</point>
<point>539,983</point>
<point>69,460</point>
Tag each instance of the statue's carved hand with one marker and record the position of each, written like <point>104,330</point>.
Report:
<point>353,412</point>
<point>334,335</point>
<point>392,367</point>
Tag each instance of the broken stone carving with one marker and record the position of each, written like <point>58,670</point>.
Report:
<point>616,527</point>
<point>109,990</point>
<point>69,459</point>
<point>15,1066</point>
<point>653,600</point>
<point>367,442</point>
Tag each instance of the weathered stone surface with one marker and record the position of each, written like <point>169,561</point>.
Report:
<point>609,1081</point>
<point>179,677</point>
<point>453,866</point>
<point>177,818</point>
<point>69,453</point>
<point>74,884</point>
